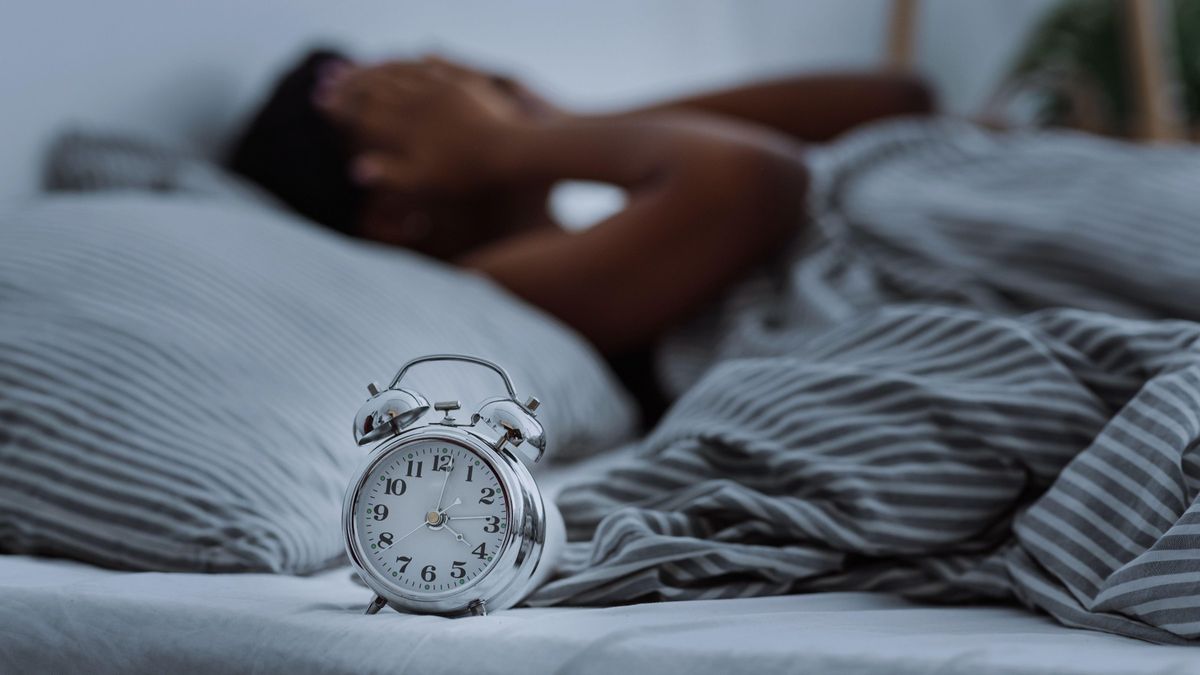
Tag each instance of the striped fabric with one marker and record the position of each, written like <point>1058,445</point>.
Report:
<point>178,377</point>
<point>81,160</point>
<point>966,386</point>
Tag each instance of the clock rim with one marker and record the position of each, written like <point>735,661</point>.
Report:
<point>522,545</point>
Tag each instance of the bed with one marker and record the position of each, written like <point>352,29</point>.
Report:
<point>59,615</point>
<point>712,485</point>
<point>1047,462</point>
<point>63,616</point>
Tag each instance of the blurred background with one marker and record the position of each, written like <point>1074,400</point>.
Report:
<point>186,72</point>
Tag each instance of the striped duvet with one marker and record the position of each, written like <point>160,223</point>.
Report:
<point>977,379</point>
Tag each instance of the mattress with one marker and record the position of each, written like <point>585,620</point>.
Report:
<point>60,616</point>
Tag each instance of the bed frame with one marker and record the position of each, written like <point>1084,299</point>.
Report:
<point>1158,115</point>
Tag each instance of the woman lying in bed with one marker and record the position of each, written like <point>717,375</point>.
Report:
<point>457,163</point>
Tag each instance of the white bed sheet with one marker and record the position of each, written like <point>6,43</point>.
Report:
<point>58,616</point>
<point>62,617</point>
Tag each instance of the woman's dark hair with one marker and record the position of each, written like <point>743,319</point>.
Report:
<point>293,151</point>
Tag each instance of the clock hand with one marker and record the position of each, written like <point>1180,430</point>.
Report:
<point>456,502</point>
<point>445,480</point>
<point>424,523</point>
<point>409,532</point>
<point>457,535</point>
<point>467,517</point>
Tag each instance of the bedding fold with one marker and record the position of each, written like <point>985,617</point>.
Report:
<point>977,379</point>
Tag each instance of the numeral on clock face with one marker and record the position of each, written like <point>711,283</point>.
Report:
<point>444,531</point>
<point>418,465</point>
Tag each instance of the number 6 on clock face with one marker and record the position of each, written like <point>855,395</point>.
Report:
<point>431,517</point>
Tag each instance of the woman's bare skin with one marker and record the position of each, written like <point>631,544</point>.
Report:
<point>714,182</point>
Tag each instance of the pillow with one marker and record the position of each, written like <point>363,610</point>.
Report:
<point>178,377</point>
<point>81,160</point>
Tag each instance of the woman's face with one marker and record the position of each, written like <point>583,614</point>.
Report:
<point>447,226</point>
<point>435,226</point>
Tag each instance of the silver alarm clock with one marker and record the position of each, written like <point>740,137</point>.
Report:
<point>444,518</point>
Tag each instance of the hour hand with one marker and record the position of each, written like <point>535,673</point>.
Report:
<point>453,504</point>
<point>457,535</point>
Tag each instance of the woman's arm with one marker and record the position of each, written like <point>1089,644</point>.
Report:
<point>706,199</point>
<point>707,196</point>
<point>811,108</point>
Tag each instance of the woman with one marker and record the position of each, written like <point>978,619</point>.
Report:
<point>457,163</point>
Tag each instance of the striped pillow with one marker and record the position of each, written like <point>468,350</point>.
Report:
<point>178,377</point>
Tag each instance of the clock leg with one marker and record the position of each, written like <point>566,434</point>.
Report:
<point>477,608</point>
<point>377,604</point>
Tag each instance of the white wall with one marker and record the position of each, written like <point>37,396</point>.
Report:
<point>184,70</point>
<point>966,45</point>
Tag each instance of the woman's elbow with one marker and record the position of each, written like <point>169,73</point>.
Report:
<point>911,95</point>
<point>769,191</point>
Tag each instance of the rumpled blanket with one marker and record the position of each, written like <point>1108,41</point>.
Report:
<point>977,378</point>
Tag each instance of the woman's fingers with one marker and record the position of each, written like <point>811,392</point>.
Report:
<point>340,93</point>
<point>441,65</point>
<point>353,94</point>
<point>385,170</point>
<point>373,103</point>
<point>419,125</point>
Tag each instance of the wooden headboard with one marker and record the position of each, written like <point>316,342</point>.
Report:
<point>1158,115</point>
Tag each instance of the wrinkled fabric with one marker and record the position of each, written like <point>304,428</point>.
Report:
<point>977,378</point>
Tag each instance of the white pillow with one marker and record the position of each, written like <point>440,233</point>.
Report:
<point>178,377</point>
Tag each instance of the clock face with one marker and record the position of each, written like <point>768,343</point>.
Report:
<point>431,518</point>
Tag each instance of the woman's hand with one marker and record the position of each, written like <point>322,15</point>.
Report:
<point>425,126</point>
<point>531,105</point>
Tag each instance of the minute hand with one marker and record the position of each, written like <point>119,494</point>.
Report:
<point>442,494</point>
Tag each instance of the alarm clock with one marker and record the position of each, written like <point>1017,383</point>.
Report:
<point>444,517</point>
